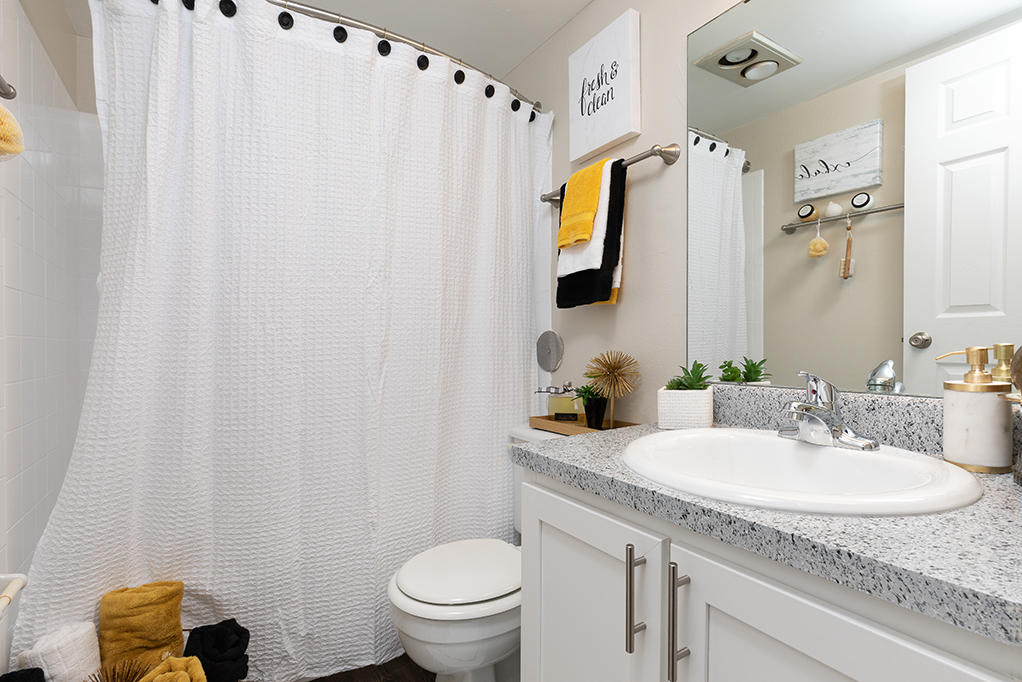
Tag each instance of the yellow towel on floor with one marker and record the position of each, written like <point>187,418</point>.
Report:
<point>581,197</point>
<point>141,622</point>
<point>177,670</point>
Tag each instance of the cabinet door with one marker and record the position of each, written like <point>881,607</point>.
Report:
<point>574,578</point>
<point>740,627</point>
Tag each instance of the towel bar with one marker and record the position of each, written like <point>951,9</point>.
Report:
<point>7,90</point>
<point>669,154</point>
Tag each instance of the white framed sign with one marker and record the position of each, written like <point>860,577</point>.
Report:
<point>604,89</point>
<point>844,161</point>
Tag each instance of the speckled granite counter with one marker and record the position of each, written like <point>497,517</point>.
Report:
<point>963,566</point>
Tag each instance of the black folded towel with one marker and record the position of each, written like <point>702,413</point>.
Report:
<point>26,675</point>
<point>591,286</point>
<point>221,650</point>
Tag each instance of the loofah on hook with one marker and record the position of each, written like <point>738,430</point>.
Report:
<point>818,247</point>
<point>10,136</point>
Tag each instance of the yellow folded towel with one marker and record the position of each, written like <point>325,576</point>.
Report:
<point>581,197</point>
<point>177,670</point>
<point>10,135</point>
<point>141,622</point>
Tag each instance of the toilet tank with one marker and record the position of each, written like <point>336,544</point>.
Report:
<point>524,434</point>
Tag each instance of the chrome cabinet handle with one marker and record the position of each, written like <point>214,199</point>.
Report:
<point>631,627</point>
<point>674,654</point>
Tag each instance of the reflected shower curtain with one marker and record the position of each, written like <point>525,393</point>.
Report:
<point>314,333</point>
<point>717,316</point>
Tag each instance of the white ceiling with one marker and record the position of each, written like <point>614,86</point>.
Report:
<point>839,42</point>
<point>492,35</point>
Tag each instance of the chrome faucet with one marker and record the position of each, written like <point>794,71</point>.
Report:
<point>818,420</point>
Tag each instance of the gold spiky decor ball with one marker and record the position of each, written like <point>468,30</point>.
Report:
<point>129,670</point>
<point>614,375</point>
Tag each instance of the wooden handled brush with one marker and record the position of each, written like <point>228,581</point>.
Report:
<point>846,262</point>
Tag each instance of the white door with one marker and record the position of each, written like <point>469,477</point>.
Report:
<point>738,626</point>
<point>963,204</point>
<point>574,588</point>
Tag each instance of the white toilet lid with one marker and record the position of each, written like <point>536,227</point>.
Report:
<point>462,572</point>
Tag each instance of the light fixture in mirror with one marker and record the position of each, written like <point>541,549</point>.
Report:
<point>937,226</point>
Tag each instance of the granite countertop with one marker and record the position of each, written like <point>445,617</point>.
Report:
<point>962,566</point>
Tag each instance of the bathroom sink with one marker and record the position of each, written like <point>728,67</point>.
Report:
<point>760,469</point>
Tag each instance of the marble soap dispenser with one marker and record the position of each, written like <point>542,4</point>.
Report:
<point>977,420</point>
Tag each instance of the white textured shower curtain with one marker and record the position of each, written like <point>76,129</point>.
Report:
<point>717,315</point>
<point>315,328</point>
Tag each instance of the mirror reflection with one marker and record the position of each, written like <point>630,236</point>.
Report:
<point>855,188</point>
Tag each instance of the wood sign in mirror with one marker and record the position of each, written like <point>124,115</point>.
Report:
<point>911,101</point>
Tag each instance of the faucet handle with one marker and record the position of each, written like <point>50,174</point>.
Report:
<point>820,392</point>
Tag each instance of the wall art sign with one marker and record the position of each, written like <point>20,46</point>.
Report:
<point>840,162</point>
<point>604,89</point>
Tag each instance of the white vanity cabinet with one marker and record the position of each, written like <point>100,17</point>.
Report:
<point>739,626</point>
<point>574,593</point>
<point>735,623</point>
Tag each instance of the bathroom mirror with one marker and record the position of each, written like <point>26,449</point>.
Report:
<point>917,104</point>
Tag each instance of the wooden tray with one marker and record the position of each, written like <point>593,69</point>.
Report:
<point>546,422</point>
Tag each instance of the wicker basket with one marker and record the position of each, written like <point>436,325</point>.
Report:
<point>685,409</point>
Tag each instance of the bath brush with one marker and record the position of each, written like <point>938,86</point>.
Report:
<point>10,136</point>
<point>818,246</point>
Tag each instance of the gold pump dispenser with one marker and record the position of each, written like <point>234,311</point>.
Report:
<point>1003,353</point>
<point>977,379</point>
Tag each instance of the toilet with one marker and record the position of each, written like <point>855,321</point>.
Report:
<point>457,606</point>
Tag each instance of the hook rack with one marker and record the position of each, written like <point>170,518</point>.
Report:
<point>790,228</point>
<point>7,90</point>
<point>668,153</point>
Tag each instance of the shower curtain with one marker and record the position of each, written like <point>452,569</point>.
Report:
<point>315,327</point>
<point>717,317</point>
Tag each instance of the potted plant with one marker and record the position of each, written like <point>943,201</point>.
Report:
<point>686,402</point>
<point>594,404</point>
<point>754,372</point>
<point>729,373</point>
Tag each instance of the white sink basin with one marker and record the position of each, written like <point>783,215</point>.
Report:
<point>761,469</point>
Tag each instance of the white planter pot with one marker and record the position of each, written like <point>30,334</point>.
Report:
<point>685,409</point>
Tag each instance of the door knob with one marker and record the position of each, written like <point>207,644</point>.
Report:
<point>920,340</point>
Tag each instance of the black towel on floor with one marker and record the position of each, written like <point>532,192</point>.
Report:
<point>221,650</point>
<point>26,675</point>
<point>591,286</point>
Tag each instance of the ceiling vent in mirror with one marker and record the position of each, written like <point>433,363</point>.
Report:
<point>749,59</point>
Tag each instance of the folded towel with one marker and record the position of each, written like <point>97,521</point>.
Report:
<point>69,654</point>
<point>589,255</point>
<point>141,622</point>
<point>177,670</point>
<point>593,286</point>
<point>615,285</point>
<point>26,675</point>
<point>578,209</point>
<point>221,649</point>
<point>10,135</point>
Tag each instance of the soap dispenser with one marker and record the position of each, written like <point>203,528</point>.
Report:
<point>977,421</point>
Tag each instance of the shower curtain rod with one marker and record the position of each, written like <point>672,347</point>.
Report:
<point>702,133</point>
<point>322,14</point>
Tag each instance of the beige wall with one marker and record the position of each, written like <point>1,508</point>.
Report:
<point>649,320</point>
<point>70,54</point>
<point>813,319</point>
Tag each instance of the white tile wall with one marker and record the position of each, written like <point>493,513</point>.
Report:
<point>50,205</point>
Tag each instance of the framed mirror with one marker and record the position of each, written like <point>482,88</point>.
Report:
<point>899,120</point>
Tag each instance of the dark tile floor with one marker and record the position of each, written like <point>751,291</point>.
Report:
<point>401,669</point>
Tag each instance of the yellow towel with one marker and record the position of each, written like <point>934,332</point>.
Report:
<point>581,197</point>
<point>141,622</point>
<point>613,297</point>
<point>10,135</point>
<point>177,670</point>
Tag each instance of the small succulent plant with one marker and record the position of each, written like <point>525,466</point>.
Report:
<point>692,378</point>
<point>728,372</point>
<point>587,393</point>
<point>754,371</point>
